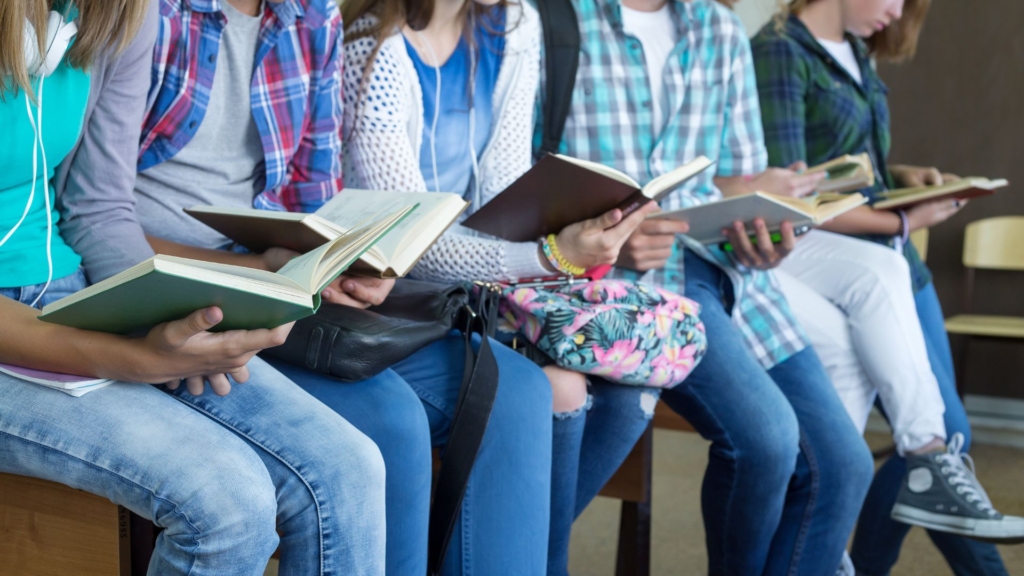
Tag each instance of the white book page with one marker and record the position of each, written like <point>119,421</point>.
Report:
<point>672,179</point>
<point>352,207</point>
<point>601,169</point>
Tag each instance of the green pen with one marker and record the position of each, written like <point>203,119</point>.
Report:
<point>775,236</point>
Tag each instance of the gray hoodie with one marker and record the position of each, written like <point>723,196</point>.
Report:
<point>95,183</point>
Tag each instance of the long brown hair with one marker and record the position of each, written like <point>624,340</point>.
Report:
<point>102,24</point>
<point>897,41</point>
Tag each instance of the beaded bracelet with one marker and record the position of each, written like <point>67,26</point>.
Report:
<point>555,258</point>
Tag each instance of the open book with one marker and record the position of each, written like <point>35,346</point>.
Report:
<point>392,257</point>
<point>66,383</point>
<point>846,173</point>
<point>560,190</point>
<point>969,187</point>
<point>166,288</point>
<point>707,220</point>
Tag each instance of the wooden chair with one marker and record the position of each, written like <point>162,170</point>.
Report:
<point>632,485</point>
<point>49,529</point>
<point>989,244</point>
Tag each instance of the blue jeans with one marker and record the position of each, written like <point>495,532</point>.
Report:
<point>589,445</point>
<point>877,542</point>
<point>407,410</point>
<point>221,475</point>
<point>787,470</point>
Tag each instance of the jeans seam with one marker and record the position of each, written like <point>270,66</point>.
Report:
<point>467,567</point>
<point>812,498</point>
<point>177,510</point>
<point>279,457</point>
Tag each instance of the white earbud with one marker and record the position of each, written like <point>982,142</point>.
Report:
<point>58,38</point>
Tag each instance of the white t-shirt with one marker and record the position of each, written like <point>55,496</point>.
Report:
<point>843,53</point>
<point>657,34</point>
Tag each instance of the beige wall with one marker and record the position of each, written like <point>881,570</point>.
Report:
<point>754,13</point>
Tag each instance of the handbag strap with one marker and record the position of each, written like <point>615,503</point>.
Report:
<point>469,423</point>
<point>561,60</point>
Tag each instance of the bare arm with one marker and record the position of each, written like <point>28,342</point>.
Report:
<point>170,352</point>
<point>865,220</point>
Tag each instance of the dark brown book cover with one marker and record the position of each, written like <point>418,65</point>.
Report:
<point>263,234</point>
<point>550,196</point>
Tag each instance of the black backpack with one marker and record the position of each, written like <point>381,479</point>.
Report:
<point>561,60</point>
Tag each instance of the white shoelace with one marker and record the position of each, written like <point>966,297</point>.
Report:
<point>959,470</point>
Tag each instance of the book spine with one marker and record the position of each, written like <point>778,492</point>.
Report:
<point>633,203</point>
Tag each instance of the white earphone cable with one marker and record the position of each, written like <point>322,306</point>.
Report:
<point>437,109</point>
<point>46,197</point>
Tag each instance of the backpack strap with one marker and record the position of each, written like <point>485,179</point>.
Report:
<point>561,59</point>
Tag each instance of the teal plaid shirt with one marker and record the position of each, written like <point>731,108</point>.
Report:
<point>813,110</point>
<point>712,109</point>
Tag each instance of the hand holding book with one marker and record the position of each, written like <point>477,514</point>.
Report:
<point>597,241</point>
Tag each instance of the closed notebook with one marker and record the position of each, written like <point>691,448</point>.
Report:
<point>392,257</point>
<point>166,288</point>
<point>970,187</point>
<point>707,220</point>
<point>559,191</point>
<point>846,173</point>
<point>73,385</point>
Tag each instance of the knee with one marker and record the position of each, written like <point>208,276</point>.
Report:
<point>231,511</point>
<point>885,268</point>
<point>525,393</point>
<point>354,465</point>
<point>770,450</point>
<point>568,390</point>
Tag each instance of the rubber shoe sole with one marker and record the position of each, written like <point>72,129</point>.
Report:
<point>1009,530</point>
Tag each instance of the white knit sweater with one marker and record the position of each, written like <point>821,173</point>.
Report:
<point>384,129</point>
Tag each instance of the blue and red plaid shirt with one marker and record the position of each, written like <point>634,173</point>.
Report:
<point>295,92</point>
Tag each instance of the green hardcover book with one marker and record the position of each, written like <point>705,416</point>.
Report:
<point>166,288</point>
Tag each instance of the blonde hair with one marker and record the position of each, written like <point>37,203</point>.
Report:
<point>896,42</point>
<point>102,24</point>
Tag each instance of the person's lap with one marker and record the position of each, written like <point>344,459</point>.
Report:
<point>386,409</point>
<point>407,410</point>
<point>138,447</point>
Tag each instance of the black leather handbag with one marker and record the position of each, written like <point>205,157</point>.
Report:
<point>351,344</point>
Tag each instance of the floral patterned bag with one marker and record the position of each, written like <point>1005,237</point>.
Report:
<point>625,332</point>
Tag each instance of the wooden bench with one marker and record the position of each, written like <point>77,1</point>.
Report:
<point>632,485</point>
<point>49,529</point>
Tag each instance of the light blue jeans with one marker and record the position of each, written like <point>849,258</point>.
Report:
<point>221,475</point>
<point>407,411</point>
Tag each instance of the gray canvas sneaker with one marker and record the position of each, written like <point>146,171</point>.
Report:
<point>940,492</point>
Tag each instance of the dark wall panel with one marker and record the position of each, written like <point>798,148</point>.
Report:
<point>959,105</point>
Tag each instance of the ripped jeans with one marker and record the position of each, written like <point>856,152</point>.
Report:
<point>589,445</point>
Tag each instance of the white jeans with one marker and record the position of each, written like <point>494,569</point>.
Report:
<point>855,300</point>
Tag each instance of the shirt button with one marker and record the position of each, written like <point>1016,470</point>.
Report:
<point>837,84</point>
<point>647,103</point>
<point>192,125</point>
<point>212,58</point>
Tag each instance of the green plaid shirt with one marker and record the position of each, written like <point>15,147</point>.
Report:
<point>712,109</point>
<point>813,110</point>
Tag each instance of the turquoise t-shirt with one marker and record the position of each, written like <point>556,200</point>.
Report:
<point>23,256</point>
